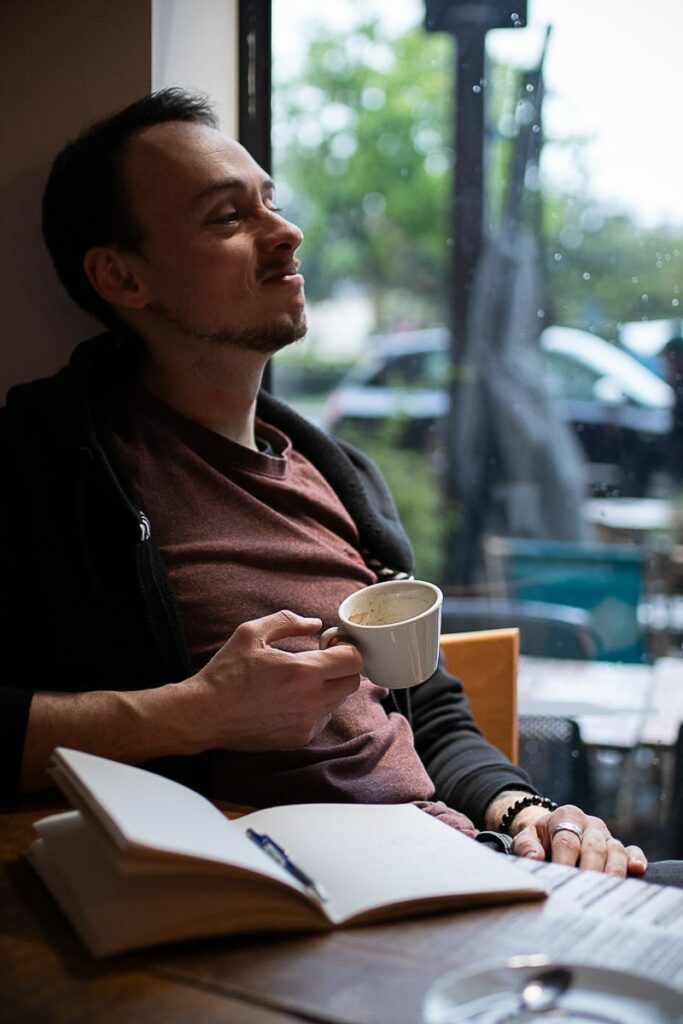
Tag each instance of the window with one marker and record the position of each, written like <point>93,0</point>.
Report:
<point>364,159</point>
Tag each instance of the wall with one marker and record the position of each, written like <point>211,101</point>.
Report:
<point>65,63</point>
<point>194,45</point>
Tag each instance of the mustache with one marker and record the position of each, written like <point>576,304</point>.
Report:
<point>277,268</point>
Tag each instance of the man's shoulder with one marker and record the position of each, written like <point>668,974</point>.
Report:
<point>45,395</point>
<point>41,387</point>
<point>41,416</point>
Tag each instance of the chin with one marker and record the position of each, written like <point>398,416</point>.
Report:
<point>270,338</point>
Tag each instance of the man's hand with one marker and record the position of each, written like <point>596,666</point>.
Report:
<point>250,696</point>
<point>568,836</point>
<point>253,697</point>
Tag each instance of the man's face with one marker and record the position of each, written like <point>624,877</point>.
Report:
<point>217,258</point>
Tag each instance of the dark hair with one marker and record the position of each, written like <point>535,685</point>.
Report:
<point>85,202</point>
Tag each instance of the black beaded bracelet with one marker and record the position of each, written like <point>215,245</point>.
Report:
<point>519,805</point>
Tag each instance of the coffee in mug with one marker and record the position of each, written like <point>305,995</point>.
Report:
<point>396,627</point>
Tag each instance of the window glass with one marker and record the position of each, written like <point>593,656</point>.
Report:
<point>569,379</point>
<point>566,395</point>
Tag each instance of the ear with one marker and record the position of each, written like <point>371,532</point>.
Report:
<point>114,278</point>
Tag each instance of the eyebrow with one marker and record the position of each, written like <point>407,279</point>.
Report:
<point>229,184</point>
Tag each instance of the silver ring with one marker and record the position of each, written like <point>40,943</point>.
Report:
<point>568,826</point>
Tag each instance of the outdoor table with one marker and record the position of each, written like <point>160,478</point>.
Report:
<point>632,518</point>
<point>616,705</point>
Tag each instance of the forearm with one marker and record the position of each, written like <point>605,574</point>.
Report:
<point>250,696</point>
<point>131,726</point>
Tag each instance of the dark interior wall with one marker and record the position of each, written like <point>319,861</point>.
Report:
<point>63,64</point>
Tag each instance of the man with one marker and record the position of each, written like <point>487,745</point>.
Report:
<point>174,539</point>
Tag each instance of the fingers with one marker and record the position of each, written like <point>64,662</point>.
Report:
<point>622,860</point>
<point>598,851</point>
<point>577,840</point>
<point>339,660</point>
<point>637,861</point>
<point>527,844</point>
<point>568,836</point>
<point>277,626</point>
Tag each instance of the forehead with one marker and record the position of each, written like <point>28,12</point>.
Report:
<point>175,162</point>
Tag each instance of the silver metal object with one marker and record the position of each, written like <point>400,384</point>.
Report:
<point>568,826</point>
<point>538,997</point>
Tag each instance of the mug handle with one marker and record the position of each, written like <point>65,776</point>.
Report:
<point>333,635</point>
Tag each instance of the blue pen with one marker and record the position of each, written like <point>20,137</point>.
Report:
<point>281,857</point>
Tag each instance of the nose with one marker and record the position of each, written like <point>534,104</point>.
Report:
<point>278,232</point>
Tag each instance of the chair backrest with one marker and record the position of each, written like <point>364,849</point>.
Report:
<point>545,630</point>
<point>605,579</point>
<point>486,663</point>
<point>553,753</point>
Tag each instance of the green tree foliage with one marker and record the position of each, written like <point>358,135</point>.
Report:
<point>364,144</point>
<point>366,154</point>
<point>604,270</point>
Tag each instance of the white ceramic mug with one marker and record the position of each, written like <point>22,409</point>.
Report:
<point>396,627</point>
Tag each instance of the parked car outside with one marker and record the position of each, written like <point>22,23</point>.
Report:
<point>620,409</point>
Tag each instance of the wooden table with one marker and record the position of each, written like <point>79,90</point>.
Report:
<point>616,705</point>
<point>376,975</point>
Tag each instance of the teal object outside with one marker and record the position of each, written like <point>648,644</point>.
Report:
<point>604,579</point>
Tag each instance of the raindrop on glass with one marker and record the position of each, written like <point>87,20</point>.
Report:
<point>586,276</point>
<point>674,302</point>
<point>557,257</point>
<point>476,88</point>
<point>529,87</point>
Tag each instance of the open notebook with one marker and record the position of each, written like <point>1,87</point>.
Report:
<point>143,860</point>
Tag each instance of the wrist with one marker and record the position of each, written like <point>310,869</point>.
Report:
<point>499,805</point>
<point>178,705</point>
<point>525,811</point>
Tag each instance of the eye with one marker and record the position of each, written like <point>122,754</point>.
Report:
<point>230,217</point>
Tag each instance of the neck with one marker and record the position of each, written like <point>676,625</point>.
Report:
<point>213,385</point>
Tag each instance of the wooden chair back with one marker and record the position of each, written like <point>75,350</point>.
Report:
<point>486,663</point>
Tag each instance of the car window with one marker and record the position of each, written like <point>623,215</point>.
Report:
<point>412,371</point>
<point>568,378</point>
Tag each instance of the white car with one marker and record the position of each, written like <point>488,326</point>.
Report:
<point>620,409</point>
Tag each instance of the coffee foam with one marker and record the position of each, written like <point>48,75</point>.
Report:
<point>373,618</point>
<point>387,612</point>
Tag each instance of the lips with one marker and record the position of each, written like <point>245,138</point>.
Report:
<point>288,272</point>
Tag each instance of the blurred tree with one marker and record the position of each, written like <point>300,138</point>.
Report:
<point>604,270</point>
<point>362,143</point>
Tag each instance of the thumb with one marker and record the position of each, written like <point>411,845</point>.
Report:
<point>527,843</point>
<point>282,624</point>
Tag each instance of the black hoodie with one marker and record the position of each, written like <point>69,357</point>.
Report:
<point>85,601</point>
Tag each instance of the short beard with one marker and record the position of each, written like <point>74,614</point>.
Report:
<point>267,340</point>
